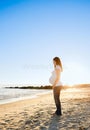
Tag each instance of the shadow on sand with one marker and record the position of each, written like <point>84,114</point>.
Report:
<point>54,122</point>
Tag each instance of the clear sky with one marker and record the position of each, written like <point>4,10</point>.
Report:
<point>32,32</point>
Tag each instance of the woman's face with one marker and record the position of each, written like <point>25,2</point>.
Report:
<point>54,62</point>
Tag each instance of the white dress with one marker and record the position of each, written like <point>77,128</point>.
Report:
<point>53,77</point>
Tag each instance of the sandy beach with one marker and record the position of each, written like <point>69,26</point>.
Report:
<point>37,113</point>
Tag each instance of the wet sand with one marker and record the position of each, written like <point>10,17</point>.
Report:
<point>37,113</point>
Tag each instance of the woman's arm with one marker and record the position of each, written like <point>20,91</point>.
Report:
<point>57,77</point>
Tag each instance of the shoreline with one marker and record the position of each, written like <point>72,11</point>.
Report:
<point>12,100</point>
<point>13,107</point>
<point>23,97</point>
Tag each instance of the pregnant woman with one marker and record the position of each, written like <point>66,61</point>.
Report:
<point>56,83</point>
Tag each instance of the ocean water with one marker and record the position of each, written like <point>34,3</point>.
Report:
<point>8,95</point>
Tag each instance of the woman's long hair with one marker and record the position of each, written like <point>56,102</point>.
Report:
<point>58,62</point>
